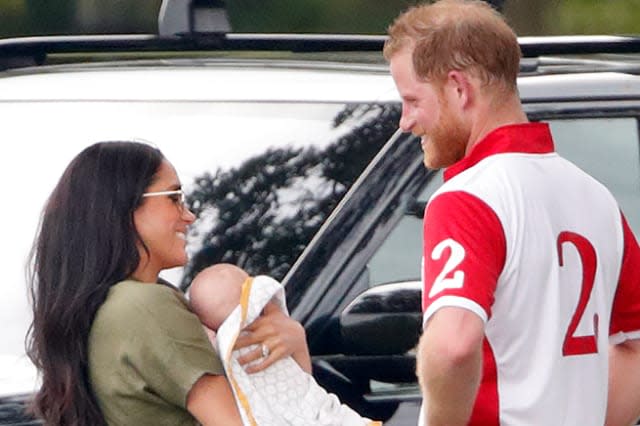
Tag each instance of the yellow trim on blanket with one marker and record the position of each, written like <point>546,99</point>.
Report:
<point>244,297</point>
<point>244,304</point>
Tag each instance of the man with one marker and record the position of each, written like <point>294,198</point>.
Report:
<point>530,270</point>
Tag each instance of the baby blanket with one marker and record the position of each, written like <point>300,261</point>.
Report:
<point>283,394</point>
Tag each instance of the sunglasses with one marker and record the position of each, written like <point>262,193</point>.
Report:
<point>177,196</point>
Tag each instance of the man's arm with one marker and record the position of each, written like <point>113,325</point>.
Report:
<point>623,407</point>
<point>449,365</point>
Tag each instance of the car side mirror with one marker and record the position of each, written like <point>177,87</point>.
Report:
<point>384,320</point>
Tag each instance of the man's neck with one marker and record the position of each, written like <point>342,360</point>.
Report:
<point>494,114</point>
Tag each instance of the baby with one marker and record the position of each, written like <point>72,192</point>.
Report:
<point>226,299</point>
<point>215,292</point>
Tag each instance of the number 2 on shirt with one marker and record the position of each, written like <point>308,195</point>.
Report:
<point>456,256</point>
<point>572,345</point>
<point>580,345</point>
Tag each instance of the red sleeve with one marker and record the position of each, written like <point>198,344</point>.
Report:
<point>625,315</point>
<point>464,251</point>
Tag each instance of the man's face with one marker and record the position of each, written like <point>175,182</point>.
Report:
<point>427,113</point>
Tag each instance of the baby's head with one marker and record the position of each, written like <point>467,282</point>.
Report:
<point>215,292</point>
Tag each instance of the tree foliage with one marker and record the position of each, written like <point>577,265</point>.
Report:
<point>266,211</point>
<point>594,17</point>
<point>26,17</point>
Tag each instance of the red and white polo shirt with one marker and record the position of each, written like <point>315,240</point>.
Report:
<point>541,252</point>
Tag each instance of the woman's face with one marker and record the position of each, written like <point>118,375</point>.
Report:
<point>162,222</point>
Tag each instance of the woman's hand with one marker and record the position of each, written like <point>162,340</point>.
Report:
<point>280,334</point>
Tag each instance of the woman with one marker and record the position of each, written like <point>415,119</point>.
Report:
<point>112,345</point>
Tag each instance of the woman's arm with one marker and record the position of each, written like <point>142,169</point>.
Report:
<point>282,335</point>
<point>211,402</point>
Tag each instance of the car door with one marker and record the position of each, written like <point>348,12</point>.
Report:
<point>357,285</point>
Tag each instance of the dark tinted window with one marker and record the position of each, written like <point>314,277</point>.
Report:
<point>606,148</point>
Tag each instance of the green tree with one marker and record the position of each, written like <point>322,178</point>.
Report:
<point>13,17</point>
<point>26,17</point>
<point>594,17</point>
<point>314,16</point>
<point>529,17</point>
<point>50,17</point>
<point>258,230</point>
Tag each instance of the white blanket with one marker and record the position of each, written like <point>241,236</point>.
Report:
<point>283,394</point>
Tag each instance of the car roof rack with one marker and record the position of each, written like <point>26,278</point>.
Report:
<point>203,26</point>
<point>34,50</point>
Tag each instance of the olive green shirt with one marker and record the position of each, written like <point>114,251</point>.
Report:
<point>146,351</point>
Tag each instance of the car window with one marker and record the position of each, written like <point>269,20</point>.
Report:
<point>261,176</point>
<point>606,148</point>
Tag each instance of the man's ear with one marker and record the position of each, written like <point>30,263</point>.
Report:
<point>460,88</point>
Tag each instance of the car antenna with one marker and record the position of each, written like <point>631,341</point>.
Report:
<point>191,17</point>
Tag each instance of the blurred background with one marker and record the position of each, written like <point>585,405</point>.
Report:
<point>528,17</point>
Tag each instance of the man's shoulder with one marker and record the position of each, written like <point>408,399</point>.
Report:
<point>507,171</point>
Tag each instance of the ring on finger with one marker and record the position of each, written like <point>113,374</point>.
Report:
<point>265,351</point>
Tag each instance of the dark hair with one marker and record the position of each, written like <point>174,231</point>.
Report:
<point>86,243</point>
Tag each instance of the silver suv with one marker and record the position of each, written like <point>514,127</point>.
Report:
<point>288,148</point>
